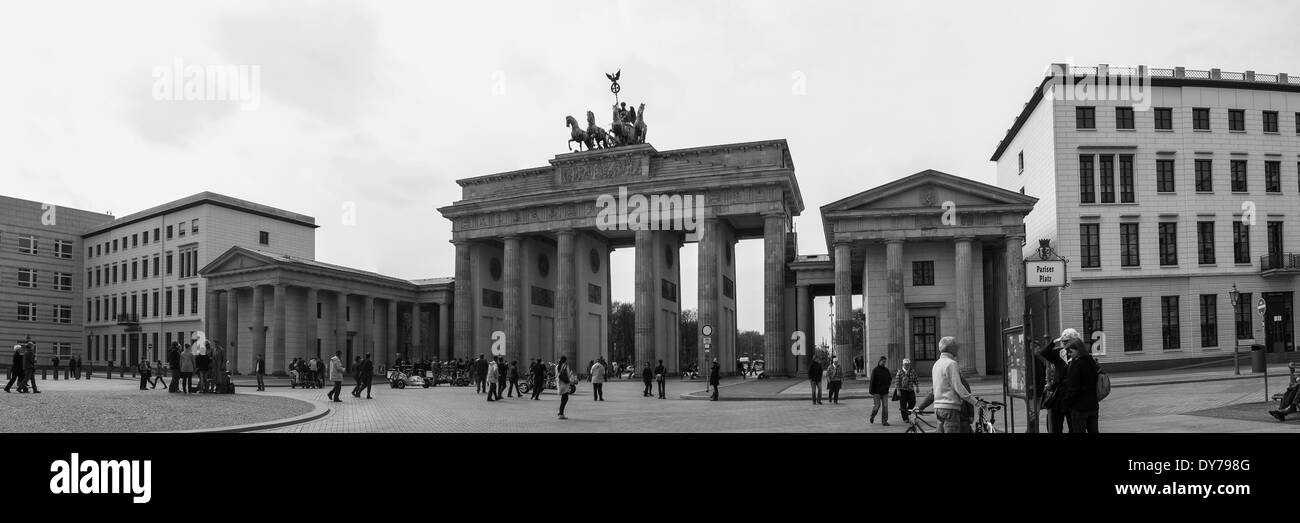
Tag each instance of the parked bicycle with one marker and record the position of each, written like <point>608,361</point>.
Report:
<point>989,426</point>
<point>915,422</point>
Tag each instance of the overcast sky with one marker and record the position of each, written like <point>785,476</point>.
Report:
<point>382,105</point>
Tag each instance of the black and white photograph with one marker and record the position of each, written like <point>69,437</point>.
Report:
<point>838,228</point>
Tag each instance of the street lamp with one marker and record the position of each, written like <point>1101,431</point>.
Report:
<point>1234,296</point>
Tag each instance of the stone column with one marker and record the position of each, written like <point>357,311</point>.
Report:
<point>366,329</point>
<point>802,302</point>
<point>645,297</point>
<point>897,311</point>
<point>842,344</point>
<point>340,324</point>
<point>390,351</point>
<point>1015,267</point>
<point>566,297</point>
<point>464,301</point>
<point>259,327</point>
<point>211,313</point>
<point>707,305</point>
<point>774,226</point>
<point>513,300</point>
<point>444,340</point>
<point>311,325</point>
<point>965,306</point>
<point>232,328</point>
<point>276,362</point>
<point>415,330</point>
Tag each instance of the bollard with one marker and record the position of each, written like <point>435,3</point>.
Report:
<point>43,373</point>
<point>56,374</point>
<point>121,373</point>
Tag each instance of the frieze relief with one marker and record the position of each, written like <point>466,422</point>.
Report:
<point>602,170</point>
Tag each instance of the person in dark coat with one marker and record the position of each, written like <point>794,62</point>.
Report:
<point>1080,397</point>
<point>174,361</point>
<point>714,369</point>
<point>512,375</point>
<point>356,376</point>
<point>740,368</point>
<point>647,377</point>
<point>146,372</point>
<point>259,369</point>
<point>55,361</point>
<point>366,373</point>
<point>881,379</point>
<point>16,372</point>
<point>564,377</point>
<point>1054,389</point>
<point>539,378</point>
<point>29,367</point>
<point>815,380</point>
<point>480,372</point>
<point>661,376</point>
<point>503,372</point>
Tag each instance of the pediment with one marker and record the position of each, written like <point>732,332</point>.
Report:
<point>235,259</point>
<point>929,189</point>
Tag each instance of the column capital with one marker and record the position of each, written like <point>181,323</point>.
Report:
<point>1016,237</point>
<point>510,237</point>
<point>894,240</point>
<point>567,231</point>
<point>964,237</point>
<point>769,215</point>
<point>841,243</point>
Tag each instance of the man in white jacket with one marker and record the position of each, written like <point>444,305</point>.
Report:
<point>949,393</point>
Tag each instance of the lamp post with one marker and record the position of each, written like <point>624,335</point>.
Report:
<point>1235,296</point>
<point>831,304</point>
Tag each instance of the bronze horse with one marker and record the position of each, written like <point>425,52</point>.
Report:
<point>640,128</point>
<point>576,134</point>
<point>595,134</point>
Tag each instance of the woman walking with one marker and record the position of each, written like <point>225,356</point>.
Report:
<point>187,370</point>
<point>564,379</point>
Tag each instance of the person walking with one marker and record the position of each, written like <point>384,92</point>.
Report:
<point>203,366</point>
<point>145,373</point>
<point>713,379</point>
<point>1054,389</point>
<point>259,369</point>
<point>815,380</point>
<point>564,379</point>
<point>55,362</point>
<point>158,373</point>
<point>491,380</point>
<point>647,377</point>
<point>835,379</point>
<point>949,392</point>
<point>597,381</point>
<point>174,362</point>
<point>1080,397</point>
<point>513,377</point>
<point>880,381</point>
<point>355,369</point>
<point>187,370</point>
<point>502,374</point>
<point>539,378</point>
<point>480,374</point>
<point>366,374</point>
<point>336,375</point>
<point>905,384</point>
<point>661,376</point>
<point>16,372</point>
<point>740,368</point>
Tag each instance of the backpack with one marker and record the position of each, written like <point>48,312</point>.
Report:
<point>1103,383</point>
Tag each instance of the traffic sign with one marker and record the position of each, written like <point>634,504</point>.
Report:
<point>707,330</point>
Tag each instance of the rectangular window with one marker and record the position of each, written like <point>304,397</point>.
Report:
<point>1164,176</point>
<point>1087,189</point>
<point>1124,118</point>
<point>1169,327</point>
<point>180,301</point>
<point>1272,176</point>
<point>318,310</point>
<point>194,299</point>
<point>1205,242</point>
<point>668,290</point>
<point>1085,117</point>
<point>1164,119</point>
<point>155,304</point>
<point>1204,175</point>
<point>1021,159</point>
<point>26,311</point>
<point>923,273</point>
<point>1132,324</point>
<point>1245,327</point>
<point>114,245</point>
<point>1107,179</point>
<point>144,237</point>
<point>180,229</point>
<point>1126,179</point>
<point>1240,242</point>
<point>1091,317</point>
<point>925,343</point>
<point>144,268</point>
<point>63,249</point>
<point>1237,120</point>
<point>27,244</point>
<point>62,314</point>
<point>135,240</point>
<point>144,305</point>
<point>1128,245</point>
<point>156,234</point>
<point>62,281</point>
<point>347,310</point>
<point>27,278</point>
<point>169,232</point>
<point>1168,243</point>
<point>1201,119</point>
<point>263,237</point>
<point>169,264</point>
<point>168,309</point>
<point>1209,320</point>
<point>1090,244</point>
<point>595,295</point>
<point>194,226</point>
<point>1270,121</point>
<point>135,270</point>
<point>155,265</point>
<point>1238,175</point>
<point>98,252</point>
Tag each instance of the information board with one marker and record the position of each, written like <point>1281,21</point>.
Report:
<point>1013,345</point>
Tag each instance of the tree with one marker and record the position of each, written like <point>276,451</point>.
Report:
<point>749,342</point>
<point>690,331</point>
<point>622,332</point>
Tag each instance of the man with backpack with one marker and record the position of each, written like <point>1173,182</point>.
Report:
<point>1080,397</point>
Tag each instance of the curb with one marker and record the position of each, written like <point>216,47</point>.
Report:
<point>319,411</point>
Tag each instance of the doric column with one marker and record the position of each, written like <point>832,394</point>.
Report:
<point>415,330</point>
<point>843,341</point>
<point>774,226</point>
<point>276,362</point>
<point>366,329</point>
<point>211,313</point>
<point>340,324</point>
<point>645,297</point>
<point>965,306</point>
<point>802,299</point>
<point>513,299</point>
<point>232,328</point>
<point>311,326</point>
<point>566,297</point>
<point>259,326</point>
<point>709,248</point>
<point>444,328</point>
<point>464,301</point>
<point>897,312</point>
<point>1015,280</point>
<point>391,348</point>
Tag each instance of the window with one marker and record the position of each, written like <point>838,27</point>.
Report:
<point>155,265</point>
<point>1245,329</point>
<point>925,344</point>
<point>1209,320</point>
<point>168,309</point>
<point>135,270</point>
<point>318,310</point>
<point>1126,179</point>
<point>1021,159</point>
<point>180,301</point>
<point>98,252</point>
<point>1085,117</point>
<point>156,236</point>
<point>1237,120</point>
<point>1205,242</point>
<point>1107,179</point>
<point>27,244</point>
<point>99,271</point>
<point>62,281</point>
<point>1169,328</point>
<point>144,268</point>
<point>62,314</point>
<point>26,311</point>
<point>1168,243</point>
<point>1270,121</point>
<point>263,237</point>
<point>194,299</point>
<point>27,278</point>
<point>1201,119</point>
<point>63,249</point>
<point>1238,175</point>
<point>135,240</point>
<point>1204,176</point>
<point>169,264</point>
<point>1132,310</point>
<point>1272,176</point>
<point>1240,242</point>
<point>1164,176</point>
<point>1090,244</point>
<point>155,304</point>
<point>1164,119</point>
<point>194,226</point>
<point>144,237</point>
<point>114,245</point>
<point>169,232</point>
<point>923,272</point>
<point>1124,118</point>
<point>1128,245</point>
<point>347,312</point>
<point>1091,317</point>
<point>188,258</point>
<point>1297,123</point>
<point>1087,191</point>
<point>144,305</point>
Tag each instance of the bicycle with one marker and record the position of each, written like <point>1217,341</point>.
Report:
<point>914,422</point>
<point>989,426</point>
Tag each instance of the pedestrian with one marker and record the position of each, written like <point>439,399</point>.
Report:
<point>355,369</point>
<point>661,376</point>
<point>480,373</point>
<point>187,370</point>
<point>880,381</point>
<point>513,377</point>
<point>564,379</point>
<point>949,393</point>
<point>1288,404</point>
<point>815,381</point>
<point>491,380</point>
<point>16,372</point>
<point>174,361</point>
<point>590,364</point>
<point>858,364</point>
<point>55,361</point>
<point>158,373</point>
<point>502,373</point>
<point>29,367</point>
<point>1055,386</point>
<point>740,368</point>
<point>145,373</point>
<point>713,378</point>
<point>321,373</point>
<point>203,366</point>
<point>367,376</point>
<point>905,384</point>
<point>647,376</point>
<point>539,378</point>
<point>1080,397</point>
<point>336,376</point>
<point>259,369</point>
<point>597,381</point>
<point>835,380</point>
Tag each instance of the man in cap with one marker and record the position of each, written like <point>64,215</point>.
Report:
<point>949,392</point>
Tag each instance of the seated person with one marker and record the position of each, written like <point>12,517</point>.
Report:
<point>1288,403</point>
